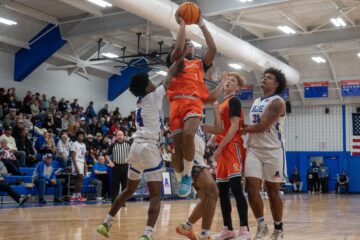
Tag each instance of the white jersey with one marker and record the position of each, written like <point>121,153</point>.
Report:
<point>80,150</point>
<point>149,115</point>
<point>272,137</point>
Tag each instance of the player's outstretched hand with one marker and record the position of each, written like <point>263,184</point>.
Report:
<point>179,19</point>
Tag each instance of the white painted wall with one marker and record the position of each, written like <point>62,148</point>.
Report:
<point>60,84</point>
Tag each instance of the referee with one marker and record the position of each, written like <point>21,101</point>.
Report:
<point>119,151</point>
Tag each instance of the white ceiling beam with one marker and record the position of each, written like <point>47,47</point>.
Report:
<point>253,23</point>
<point>28,11</point>
<point>292,19</point>
<point>63,67</point>
<point>14,42</point>
<point>83,6</point>
<point>333,72</point>
<point>343,14</point>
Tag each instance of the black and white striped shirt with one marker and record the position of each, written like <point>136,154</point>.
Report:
<point>119,152</point>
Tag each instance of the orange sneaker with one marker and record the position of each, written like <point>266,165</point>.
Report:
<point>187,233</point>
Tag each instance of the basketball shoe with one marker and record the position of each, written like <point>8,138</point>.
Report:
<point>104,229</point>
<point>145,237</point>
<point>277,235</point>
<point>261,232</point>
<point>225,234</point>
<point>187,233</point>
<point>185,186</point>
<point>243,234</point>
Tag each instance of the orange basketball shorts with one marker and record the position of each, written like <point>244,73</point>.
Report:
<point>182,109</point>
<point>230,162</point>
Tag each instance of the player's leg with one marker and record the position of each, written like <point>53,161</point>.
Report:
<point>154,185</point>
<point>254,175</point>
<point>177,156</point>
<point>120,200</point>
<point>274,176</point>
<point>189,130</point>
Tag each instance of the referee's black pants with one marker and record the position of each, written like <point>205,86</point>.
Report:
<point>119,176</point>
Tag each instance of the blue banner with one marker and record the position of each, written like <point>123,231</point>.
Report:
<point>350,88</point>
<point>316,89</point>
<point>246,93</point>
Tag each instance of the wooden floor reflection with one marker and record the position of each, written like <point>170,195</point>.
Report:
<point>306,217</point>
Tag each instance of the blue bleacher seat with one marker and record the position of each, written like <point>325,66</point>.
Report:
<point>28,171</point>
<point>10,179</point>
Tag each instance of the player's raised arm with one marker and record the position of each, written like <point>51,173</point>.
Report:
<point>210,54</point>
<point>275,109</point>
<point>216,93</point>
<point>180,40</point>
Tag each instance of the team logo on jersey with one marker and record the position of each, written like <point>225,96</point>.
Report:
<point>236,167</point>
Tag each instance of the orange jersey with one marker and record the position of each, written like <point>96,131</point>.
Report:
<point>225,119</point>
<point>190,81</point>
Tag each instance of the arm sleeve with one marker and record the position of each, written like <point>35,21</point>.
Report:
<point>234,107</point>
<point>158,96</point>
<point>40,170</point>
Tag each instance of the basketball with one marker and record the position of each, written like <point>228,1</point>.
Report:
<point>190,12</point>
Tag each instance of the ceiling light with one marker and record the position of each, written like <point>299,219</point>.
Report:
<point>286,29</point>
<point>7,21</point>
<point>110,55</point>
<point>318,59</point>
<point>358,54</point>
<point>338,22</point>
<point>196,44</point>
<point>235,65</point>
<point>162,73</point>
<point>101,3</point>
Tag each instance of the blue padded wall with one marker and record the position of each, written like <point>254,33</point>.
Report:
<point>27,60</point>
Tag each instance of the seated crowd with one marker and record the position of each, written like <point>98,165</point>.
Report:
<point>38,132</point>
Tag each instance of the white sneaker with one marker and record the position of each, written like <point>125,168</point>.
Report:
<point>225,234</point>
<point>261,232</point>
<point>99,199</point>
<point>277,235</point>
<point>243,234</point>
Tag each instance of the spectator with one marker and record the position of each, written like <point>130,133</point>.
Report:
<point>83,125</point>
<point>98,140</point>
<point>90,111</point>
<point>342,181</point>
<point>4,187</point>
<point>79,168</point>
<point>44,104</point>
<point>324,176</point>
<point>9,159</point>
<point>49,122</point>
<point>24,144</point>
<point>2,96</point>
<point>92,127</point>
<point>9,119</point>
<point>73,129</point>
<point>17,130</point>
<point>27,98</point>
<point>65,121</point>
<point>11,143</point>
<point>315,171</point>
<point>26,108</point>
<point>34,107</point>
<point>296,181</point>
<point>58,122</point>
<point>74,105</point>
<point>119,151</point>
<point>168,139</point>
<point>117,113</point>
<point>44,176</point>
<point>45,144</point>
<point>63,150</point>
<point>101,175</point>
<point>310,180</point>
<point>62,105</point>
<point>13,103</point>
<point>104,111</point>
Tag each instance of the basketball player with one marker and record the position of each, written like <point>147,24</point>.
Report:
<point>78,150</point>
<point>230,156</point>
<point>266,157</point>
<point>144,157</point>
<point>186,95</point>
<point>205,186</point>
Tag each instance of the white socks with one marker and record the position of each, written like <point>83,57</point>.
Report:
<point>108,220</point>
<point>187,225</point>
<point>261,221</point>
<point>187,167</point>
<point>148,231</point>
